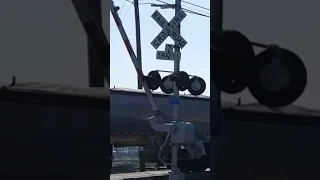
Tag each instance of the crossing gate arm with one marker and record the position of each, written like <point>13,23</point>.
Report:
<point>134,59</point>
<point>157,120</point>
<point>95,34</point>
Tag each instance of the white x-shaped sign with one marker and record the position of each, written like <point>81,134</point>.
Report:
<point>168,29</point>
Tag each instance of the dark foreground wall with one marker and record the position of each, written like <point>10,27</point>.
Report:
<point>255,151</point>
<point>53,142</point>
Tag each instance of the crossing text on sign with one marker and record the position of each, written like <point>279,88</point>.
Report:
<point>168,29</point>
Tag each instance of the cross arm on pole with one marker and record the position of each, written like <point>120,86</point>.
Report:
<point>164,6</point>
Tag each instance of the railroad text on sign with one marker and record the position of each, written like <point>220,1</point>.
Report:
<point>168,29</point>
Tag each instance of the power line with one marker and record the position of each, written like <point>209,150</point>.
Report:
<point>188,10</point>
<point>196,13</point>
<point>196,5</point>
<point>122,7</point>
<point>143,3</point>
<point>128,10</point>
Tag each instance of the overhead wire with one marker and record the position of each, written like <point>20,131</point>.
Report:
<point>193,10</point>
<point>122,6</point>
<point>140,3</point>
<point>128,10</point>
<point>196,13</point>
<point>196,5</point>
<point>188,10</point>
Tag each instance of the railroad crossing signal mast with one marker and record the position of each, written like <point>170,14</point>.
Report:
<point>182,133</point>
<point>172,29</point>
<point>175,116</point>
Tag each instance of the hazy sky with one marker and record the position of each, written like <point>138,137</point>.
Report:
<point>195,57</point>
<point>43,40</point>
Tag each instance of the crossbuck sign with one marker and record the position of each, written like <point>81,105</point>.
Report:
<point>168,29</point>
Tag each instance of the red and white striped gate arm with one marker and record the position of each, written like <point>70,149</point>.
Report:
<point>133,57</point>
<point>96,35</point>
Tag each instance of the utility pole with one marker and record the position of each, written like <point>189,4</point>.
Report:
<point>175,113</point>
<point>95,78</point>
<point>138,38</point>
<point>216,123</point>
<point>176,128</point>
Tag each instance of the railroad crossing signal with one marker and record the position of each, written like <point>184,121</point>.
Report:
<point>168,29</point>
<point>236,66</point>
<point>168,54</point>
